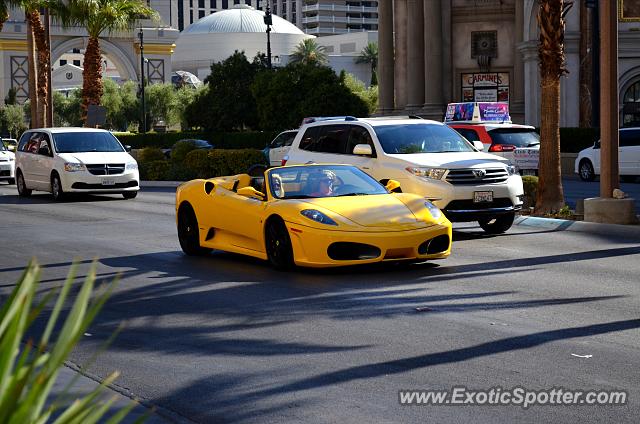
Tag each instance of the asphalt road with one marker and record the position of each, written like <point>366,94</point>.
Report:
<point>226,339</point>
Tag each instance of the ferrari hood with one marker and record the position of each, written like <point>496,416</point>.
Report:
<point>369,211</point>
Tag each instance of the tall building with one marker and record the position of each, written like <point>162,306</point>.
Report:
<point>328,17</point>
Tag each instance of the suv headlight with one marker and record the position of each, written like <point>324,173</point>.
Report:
<point>512,170</point>
<point>132,166</point>
<point>433,209</point>
<point>318,216</point>
<point>433,173</point>
<point>73,167</point>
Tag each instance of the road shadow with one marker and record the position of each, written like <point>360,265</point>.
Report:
<point>45,198</point>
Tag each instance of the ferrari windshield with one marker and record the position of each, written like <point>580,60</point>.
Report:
<point>78,142</point>
<point>315,181</point>
<point>420,138</point>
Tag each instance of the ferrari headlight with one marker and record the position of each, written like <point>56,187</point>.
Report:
<point>132,166</point>
<point>318,217</point>
<point>433,209</point>
<point>433,173</point>
<point>512,170</point>
<point>73,167</point>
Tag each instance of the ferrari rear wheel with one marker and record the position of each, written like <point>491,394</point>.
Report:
<point>188,232</point>
<point>278,245</point>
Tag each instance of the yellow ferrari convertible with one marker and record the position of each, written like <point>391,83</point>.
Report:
<point>309,215</point>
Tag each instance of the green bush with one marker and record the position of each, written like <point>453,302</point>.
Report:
<point>158,170</point>
<point>180,150</point>
<point>150,154</point>
<point>216,163</point>
<point>29,367</point>
<point>530,184</point>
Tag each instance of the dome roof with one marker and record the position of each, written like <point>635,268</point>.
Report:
<point>240,18</point>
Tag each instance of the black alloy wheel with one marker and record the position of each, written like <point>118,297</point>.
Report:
<point>278,245</point>
<point>189,234</point>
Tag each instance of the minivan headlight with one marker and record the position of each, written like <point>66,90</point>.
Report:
<point>132,166</point>
<point>433,173</point>
<point>73,167</point>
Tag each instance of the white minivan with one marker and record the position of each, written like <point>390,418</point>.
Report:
<point>74,160</point>
<point>426,158</point>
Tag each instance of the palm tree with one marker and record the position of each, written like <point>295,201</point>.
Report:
<point>309,52</point>
<point>370,55</point>
<point>551,20</point>
<point>99,17</point>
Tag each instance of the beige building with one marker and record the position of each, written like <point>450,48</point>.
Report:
<point>437,51</point>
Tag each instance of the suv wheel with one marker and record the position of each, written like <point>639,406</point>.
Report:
<point>56,188</point>
<point>586,171</point>
<point>497,225</point>
<point>22,187</point>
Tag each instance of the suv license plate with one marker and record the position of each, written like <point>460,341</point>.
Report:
<point>482,196</point>
<point>108,182</point>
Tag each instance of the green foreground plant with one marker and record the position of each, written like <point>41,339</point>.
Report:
<point>28,369</point>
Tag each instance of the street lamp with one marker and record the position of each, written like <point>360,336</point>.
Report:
<point>268,22</point>
<point>142,82</point>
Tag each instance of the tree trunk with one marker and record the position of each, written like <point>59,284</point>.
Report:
<point>42,45</point>
<point>91,76</point>
<point>550,197</point>
<point>33,82</point>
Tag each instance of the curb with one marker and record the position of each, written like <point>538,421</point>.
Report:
<point>625,231</point>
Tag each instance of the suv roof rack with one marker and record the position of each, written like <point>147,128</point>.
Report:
<point>327,118</point>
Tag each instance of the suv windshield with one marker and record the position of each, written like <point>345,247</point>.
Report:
<point>420,138</point>
<point>78,142</point>
<point>519,137</point>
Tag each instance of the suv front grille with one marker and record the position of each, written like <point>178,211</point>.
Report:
<point>106,168</point>
<point>476,176</point>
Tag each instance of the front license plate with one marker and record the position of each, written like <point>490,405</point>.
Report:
<point>108,182</point>
<point>482,196</point>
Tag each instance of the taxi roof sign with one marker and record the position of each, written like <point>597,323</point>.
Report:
<point>478,112</point>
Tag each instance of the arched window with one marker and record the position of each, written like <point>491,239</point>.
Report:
<point>631,106</point>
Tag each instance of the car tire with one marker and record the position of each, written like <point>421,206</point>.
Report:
<point>129,194</point>
<point>23,191</point>
<point>497,225</point>
<point>56,188</point>
<point>585,169</point>
<point>278,244</point>
<point>188,232</point>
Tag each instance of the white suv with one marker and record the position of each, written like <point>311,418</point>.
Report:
<point>74,160</point>
<point>426,158</point>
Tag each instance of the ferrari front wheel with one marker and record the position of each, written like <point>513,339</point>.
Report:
<point>278,245</point>
<point>188,232</point>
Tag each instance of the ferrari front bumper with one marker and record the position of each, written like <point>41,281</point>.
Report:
<point>313,247</point>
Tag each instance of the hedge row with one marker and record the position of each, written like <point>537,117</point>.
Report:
<point>198,164</point>
<point>236,140</point>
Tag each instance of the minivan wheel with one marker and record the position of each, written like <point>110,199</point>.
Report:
<point>586,171</point>
<point>497,225</point>
<point>56,188</point>
<point>22,188</point>
<point>129,194</point>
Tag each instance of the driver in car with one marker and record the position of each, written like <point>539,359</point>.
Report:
<point>322,184</point>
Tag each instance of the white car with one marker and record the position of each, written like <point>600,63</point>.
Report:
<point>7,165</point>
<point>279,147</point>
<point>426,157</point>
<point>587,164</point>
<point>74,160</point>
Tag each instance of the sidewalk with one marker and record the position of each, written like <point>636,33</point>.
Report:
<point>84,385</point>
<point>623,231</point>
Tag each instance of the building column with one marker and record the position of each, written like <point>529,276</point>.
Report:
<point>299,5</point>
<point>385,56</point>
<point>516,100</point>
<point>400,32</point>
<point>529,52</point>
<point>415,55</point>
<point>433,88</point>
<point>447,54</point>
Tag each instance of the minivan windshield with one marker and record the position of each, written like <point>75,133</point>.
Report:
<point>78,142</point>
<point>420,138</point>
<point>519,137</point>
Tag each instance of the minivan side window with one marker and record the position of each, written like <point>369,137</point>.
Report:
<point>32,143</point>
<point>23,141</point>
<point>45,145</point>
<point>629,138</point>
